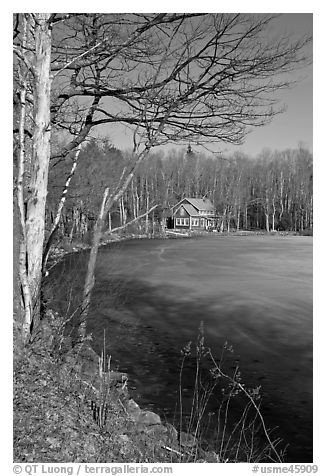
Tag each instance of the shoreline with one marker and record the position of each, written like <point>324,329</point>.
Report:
<point>58,252</point>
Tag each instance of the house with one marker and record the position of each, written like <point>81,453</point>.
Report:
<point>193,214</point>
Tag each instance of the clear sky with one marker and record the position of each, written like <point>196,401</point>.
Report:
<point>286,130</point>
<point>296,124</point>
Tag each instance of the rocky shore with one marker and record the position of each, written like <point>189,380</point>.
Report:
<point>70,406</point>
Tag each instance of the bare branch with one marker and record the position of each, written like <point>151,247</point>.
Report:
<point>133,221</point>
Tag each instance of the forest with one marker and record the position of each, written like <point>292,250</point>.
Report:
<point>270,192</point>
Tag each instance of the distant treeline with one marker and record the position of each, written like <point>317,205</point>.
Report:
<point>273,191</point>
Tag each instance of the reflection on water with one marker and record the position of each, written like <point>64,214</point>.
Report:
<point>254,292</point>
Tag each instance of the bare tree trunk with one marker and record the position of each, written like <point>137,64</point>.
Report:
<point>147,207</point>
<point>109,221</point>
<point>311,216</point>
<point>83,224</point>
<point>153,225</point>
<point>90,275</point>
<point>121,212</point>
<point>267,221</point>
<point>223,221</point>
<point>238,218</point>
<point>35,219</point>
<point>107,203</point>
<point>281,197</point>
<point>23,275</point>
<point>246,216</point>
<point>71,234</point>
<point>59,211</point>
<point>267,208</point>
<point>273,214</point>
<point>90,279</point>
<point>133,197</point>
<point>295,221</point>
<point>75,223</point>
<point>137,211</point>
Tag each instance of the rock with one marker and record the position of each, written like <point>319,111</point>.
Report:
<point>117,378</point>
<point>89,369</point>
<point>148,418</point>
<point>212,457</point>
<point>88,354</point>
<point>171,432</point>
<point>133,409</point>
<point>187,440</point>
<point>159,432</point>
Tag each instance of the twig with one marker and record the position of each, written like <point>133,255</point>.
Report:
<point>167,448</point>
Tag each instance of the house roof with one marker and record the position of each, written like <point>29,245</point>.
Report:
<point>190,209</point>
<point>197,203</point>
<point>201,203</point>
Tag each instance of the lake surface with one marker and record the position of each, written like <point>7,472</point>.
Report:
<point>255,292</point>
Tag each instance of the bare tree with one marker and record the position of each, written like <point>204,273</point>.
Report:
<point>216,74</point>
<point>36,36</point>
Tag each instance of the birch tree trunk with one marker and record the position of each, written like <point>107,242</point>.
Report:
<point>22,263</point>
<point>147,208</point>
<point>267,221</point>
<point>133,199</point>
<point>109,221</point>
<point>273,214</point>
<point>246,216</point>
<point>90,275</point>
<point>35,220</point>
<point>23,274</point>
<point>59,211</point>
<point>238,217</point>
<point>35,215</point>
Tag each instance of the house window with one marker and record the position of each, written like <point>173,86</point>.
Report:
<point>194,222</point>
<point>182,221</point>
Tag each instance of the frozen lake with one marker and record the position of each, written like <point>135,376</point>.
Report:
<point>255,292</point>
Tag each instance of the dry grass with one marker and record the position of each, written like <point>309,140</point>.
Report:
<point>235,430</point>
